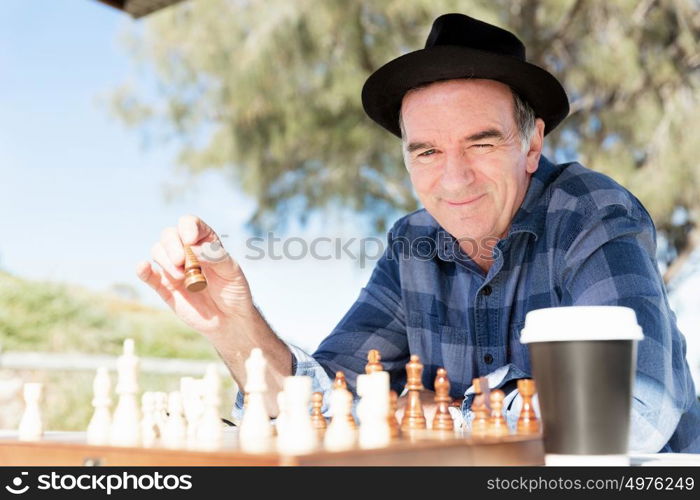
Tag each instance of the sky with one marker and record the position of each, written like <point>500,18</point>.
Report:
<point>82,201</point>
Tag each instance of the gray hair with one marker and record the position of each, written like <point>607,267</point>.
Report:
<point>523,113</point>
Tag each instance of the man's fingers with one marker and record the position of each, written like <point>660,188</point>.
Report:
<point>154,279</point>
<point>170,240</point>
<point>193,230</point>
<point>161,257</point>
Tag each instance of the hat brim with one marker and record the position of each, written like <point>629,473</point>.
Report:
<point>383,91</point>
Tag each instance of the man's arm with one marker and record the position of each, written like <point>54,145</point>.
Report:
<point>611,261</point>
<point>223,312</point>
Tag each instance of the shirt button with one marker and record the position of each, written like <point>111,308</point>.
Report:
<point>488,359</point>
<point>486,290</point>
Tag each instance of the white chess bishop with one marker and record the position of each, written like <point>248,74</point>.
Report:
<point>98,431</point>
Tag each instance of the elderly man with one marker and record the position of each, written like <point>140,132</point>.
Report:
<point>504,231</point>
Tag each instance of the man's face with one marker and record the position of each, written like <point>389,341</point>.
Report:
<point>463,151</point>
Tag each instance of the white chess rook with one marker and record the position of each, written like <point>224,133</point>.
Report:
<point>373,409</point>
<point>175,431</point>
<point>297,435</point>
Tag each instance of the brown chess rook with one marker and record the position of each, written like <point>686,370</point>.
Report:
<point>413,417</point>
<point>480,421</point>
<point>528,423</point>
<point>497,423</point>
<point>194,279</point>
<point>317,417</point>
<point>442,420</point>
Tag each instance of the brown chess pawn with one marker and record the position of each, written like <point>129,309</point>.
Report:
<point>393,422</point>
<point>480,422</point>
<point>497,423</point>
<point>317,418</point>
<point>373,362</point>
<point>340,383</point>
<point>413,417</point>
<point>527,420</point>
<point>442,420</point>
<point>194,279</point>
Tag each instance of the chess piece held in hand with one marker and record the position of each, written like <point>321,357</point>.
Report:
<point>194,279</point>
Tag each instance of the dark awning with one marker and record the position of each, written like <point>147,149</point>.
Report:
<point>139,8</point>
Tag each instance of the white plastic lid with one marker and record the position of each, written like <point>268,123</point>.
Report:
<point>555,324</point>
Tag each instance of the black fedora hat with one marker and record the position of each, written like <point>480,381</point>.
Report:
<point>460,46</point>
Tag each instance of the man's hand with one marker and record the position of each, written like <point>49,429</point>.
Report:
<point>224,310</point>
<point>227,295</point>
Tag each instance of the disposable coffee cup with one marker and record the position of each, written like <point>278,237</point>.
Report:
<point>583,362</point>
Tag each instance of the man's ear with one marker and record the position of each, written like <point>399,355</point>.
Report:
<point>535,150</point>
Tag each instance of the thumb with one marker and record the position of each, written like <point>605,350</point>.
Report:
<point>214,257</point>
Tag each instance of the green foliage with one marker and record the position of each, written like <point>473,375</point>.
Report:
<point>50,317</point>
<point>269,92</point>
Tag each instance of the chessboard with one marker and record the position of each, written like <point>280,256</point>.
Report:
<point>185,428</point>
<point>453,449</point>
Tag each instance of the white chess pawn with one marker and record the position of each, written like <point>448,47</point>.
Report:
<point>175,431</point>
<point>191,391</point>
<point>149,431</point>
<point>98,430</point>
<point>161,411</point>
<point>340,435</point>
<point>31,427</point>
<point>373,409</point>
<point>255,433</point>
<point>126,421</point>
<point>210,433</point>
<point>281,413</point>
<point>297,435</point>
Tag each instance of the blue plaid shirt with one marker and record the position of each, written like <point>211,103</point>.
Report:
<point>579,238</point>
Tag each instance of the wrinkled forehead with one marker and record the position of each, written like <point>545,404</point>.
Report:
<point>450,101</point>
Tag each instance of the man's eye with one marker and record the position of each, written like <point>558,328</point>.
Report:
<point>427,153</point>
<point>483,145</point>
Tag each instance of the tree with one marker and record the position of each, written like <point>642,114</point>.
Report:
<point>269,92</point>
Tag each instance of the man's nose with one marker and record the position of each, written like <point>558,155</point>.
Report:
<point>457,172</point>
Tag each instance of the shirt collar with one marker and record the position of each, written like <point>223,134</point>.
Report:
<point>531,215</point>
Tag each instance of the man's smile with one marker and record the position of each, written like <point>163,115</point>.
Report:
<point>468,201</point>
